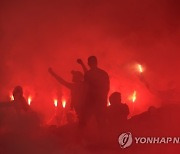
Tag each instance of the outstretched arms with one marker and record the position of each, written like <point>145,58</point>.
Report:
<point>59,79</point>
<point>79,61</point>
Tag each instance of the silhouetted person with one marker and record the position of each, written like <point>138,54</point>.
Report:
<point>117,112</point>
<point>97,88</point>
<point>116,117</point>
<point>76,87</point>
<point>19,102</point>
<point>166,96</point>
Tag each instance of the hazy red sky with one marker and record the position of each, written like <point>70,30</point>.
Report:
<point>37,34</point>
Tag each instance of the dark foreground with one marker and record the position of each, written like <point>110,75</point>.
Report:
<point>27,137</point>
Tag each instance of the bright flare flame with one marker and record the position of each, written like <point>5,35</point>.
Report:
<point>140,68</point>
<point>29,100</point>
<point>12,97</point>
<point>108,104</point>
<point>63,103</point>
<point>134,96</point>
<point>55,102</point>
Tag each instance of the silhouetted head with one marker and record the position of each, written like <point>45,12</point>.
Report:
<point>17,92</point>
<point>115,98</point>
<point>77,76</point>
<point>92,62</point>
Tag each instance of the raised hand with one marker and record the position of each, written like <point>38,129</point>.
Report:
<point>50,70</point>
<point>79,61</point>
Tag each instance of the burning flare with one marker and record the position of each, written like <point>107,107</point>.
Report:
<point>11,97</point>
<point>29,100</point>
<point>63,103</point>
<point>108,104</point>
<point>140,68</point>
<point>55,102</point>
<point>134,97</point>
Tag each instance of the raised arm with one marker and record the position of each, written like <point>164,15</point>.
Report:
<point>148,86</point>
<point>79,61</point>
<point>59,79</point>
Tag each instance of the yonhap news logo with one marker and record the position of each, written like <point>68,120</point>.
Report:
<point>126,140</point>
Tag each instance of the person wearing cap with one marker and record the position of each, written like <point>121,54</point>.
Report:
<point>76,87</point>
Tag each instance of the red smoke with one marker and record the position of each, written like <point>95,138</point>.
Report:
<point>39,34</point>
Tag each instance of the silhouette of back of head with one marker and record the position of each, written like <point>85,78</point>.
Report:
<point>18,92</point>
<point>115,98</point>
<point>118,111</point>
<point>92,62</point>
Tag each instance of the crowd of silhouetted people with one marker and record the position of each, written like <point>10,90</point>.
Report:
<point>89,97</point>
